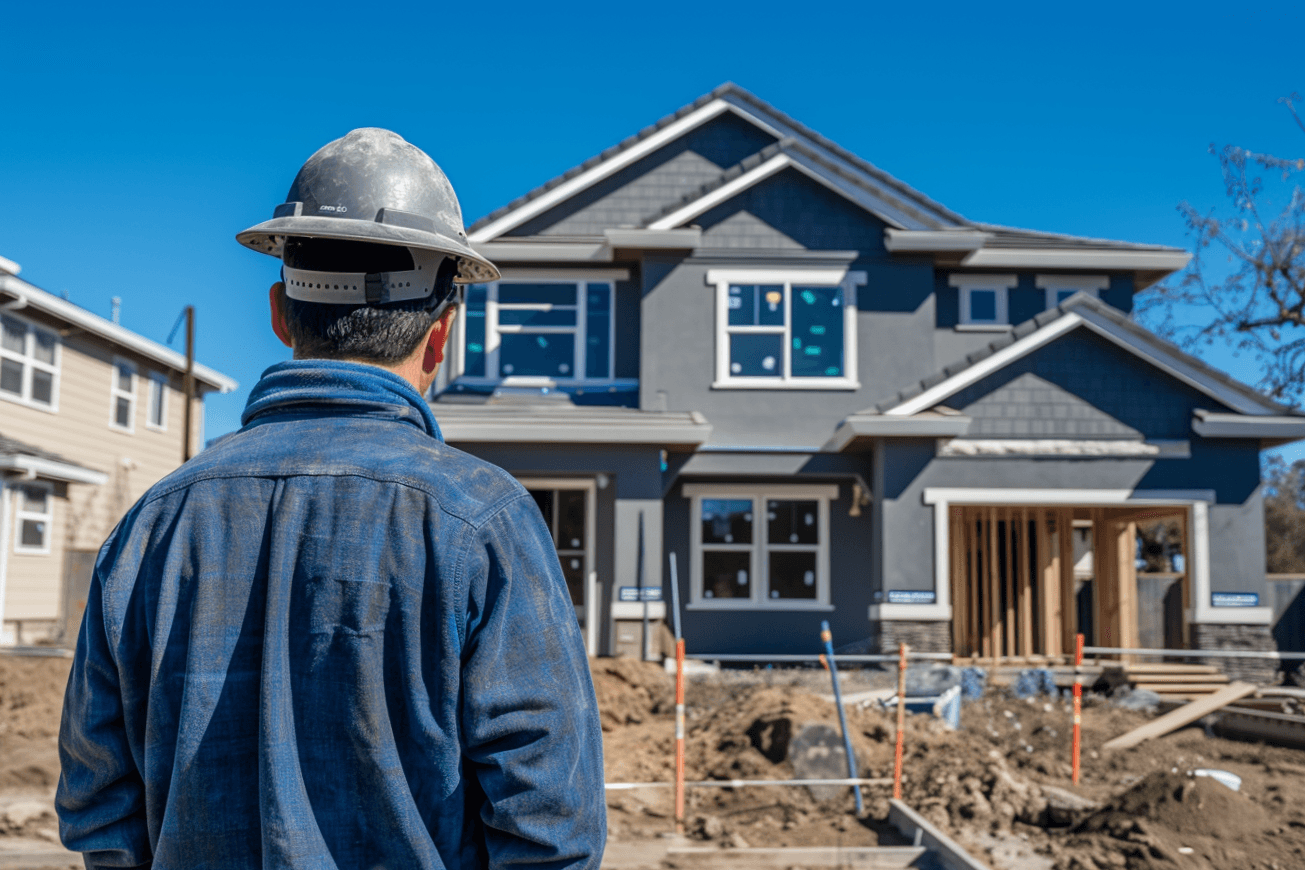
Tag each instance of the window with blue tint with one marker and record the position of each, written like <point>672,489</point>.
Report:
<point>474,327</point>
<point>757,355</point>
<point>983,306</point>
<point>817,334</point>
<point>536,317</point>
<point>726,521</point>
<point>598,330</point>
<point>756,305</point>
<point>561,330</point>
<point>534,354</point>
<point>536,294</point>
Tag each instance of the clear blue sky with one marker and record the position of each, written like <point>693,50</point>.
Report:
<point>137,141</point>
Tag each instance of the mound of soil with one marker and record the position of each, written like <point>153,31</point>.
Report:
<point>31,700</point>
<point>1172,820</point>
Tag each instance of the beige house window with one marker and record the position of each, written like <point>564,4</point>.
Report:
<point>122,399</point>
<point>34,518</point>
<point>29,364</point>
<point>158,407</point>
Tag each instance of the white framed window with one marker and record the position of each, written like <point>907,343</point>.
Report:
<point>157,412</point>
<point>983,298</point>
<point>1060,287</point>
<point>29,364</point>
<point>760,547</point>
<point>786,328</point>
<point>122,395</point>
<point>34,518</point>
<point>539,329</point>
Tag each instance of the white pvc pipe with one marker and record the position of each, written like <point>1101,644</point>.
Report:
<point>744,783</point>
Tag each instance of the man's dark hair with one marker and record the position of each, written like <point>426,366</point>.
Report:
<point>384,333</point>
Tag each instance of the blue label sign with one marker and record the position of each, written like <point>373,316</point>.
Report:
<point>631,593</point>
<point>1235,599</point>
<point>911,596</point>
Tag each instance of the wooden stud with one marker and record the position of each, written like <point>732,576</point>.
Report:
<point>972,546</point>
<point>1068,601</point>
<point>1026,586</point>
<point>1126,555</point>
<point>1009,582</point>
<point>994,597</point>
<point>1049,559</point>
<point>956,546</point>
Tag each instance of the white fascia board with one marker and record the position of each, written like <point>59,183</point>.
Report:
<point>934,240</point>
<point>545,201</point>
<point>1175,366</point>
<point>723,193</point>
<point>546,252</point>
<point>563,273</point>
<point>1076,258</point>
<point>878,206</point>
<point>7,265</point>
<point>518,431</point>
<point>35,466</point>
<point>1209,614</point>
<point>985,367</point>
<point>52,305</point>
<point>883,426</point>
<point>654,238</point>
<point>1212,425</point>
<point>780,130</point>
<point>1078,497</point>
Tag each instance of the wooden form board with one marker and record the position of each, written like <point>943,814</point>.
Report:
<point>1184,715</point>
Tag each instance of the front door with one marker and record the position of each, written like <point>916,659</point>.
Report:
<point>568,510</point>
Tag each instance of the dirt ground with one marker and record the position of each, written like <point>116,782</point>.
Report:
<point>1001,785</point>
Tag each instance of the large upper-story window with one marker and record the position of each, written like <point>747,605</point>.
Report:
<point>542,330</point>
<point>786,328</point>
<point>29,364</point>
<point>122,395</point>
<point>760,546</point>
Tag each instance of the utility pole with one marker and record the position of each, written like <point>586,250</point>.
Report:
<point>189,382</point>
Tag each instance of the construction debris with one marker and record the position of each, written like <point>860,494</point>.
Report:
<point>1184,715</point>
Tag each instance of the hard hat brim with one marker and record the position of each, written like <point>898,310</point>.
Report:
<point>269,236</point>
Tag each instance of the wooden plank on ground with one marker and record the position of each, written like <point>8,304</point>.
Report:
<point>1184,715</point>
<point>1140,677</point>
<point>1170,668</point>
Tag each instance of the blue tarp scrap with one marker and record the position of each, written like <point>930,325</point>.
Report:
<point>1034,681</point>
<point>973,682</point>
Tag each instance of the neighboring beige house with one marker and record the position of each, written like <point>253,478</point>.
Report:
<point>91,415</point>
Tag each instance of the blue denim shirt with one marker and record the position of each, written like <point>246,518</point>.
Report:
<point>331,640</point>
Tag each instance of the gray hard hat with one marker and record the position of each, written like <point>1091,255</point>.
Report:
<point>372,186</point>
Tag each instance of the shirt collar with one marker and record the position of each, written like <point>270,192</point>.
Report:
<point>302,384</point>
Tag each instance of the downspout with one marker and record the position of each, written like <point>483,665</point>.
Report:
<point>4,549</point>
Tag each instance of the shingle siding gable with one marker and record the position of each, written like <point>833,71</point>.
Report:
<point>627,197</point>
<point>1080,386</point>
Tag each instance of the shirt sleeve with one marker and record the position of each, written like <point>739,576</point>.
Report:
<point>101,795</point>
<point>530,722</point>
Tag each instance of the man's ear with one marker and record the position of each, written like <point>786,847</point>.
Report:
<point>437,338</point>
<point>276,300</point>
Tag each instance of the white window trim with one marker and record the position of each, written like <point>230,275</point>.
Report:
<point>848,281</point>
<point>20,515</point>
<point>115,392</point>
<point>158,383</point>
<point>29,362</point>
<point>578,362</point>
<point>1056,284</point>
<point>822,494</point>
<point>966,284</point>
